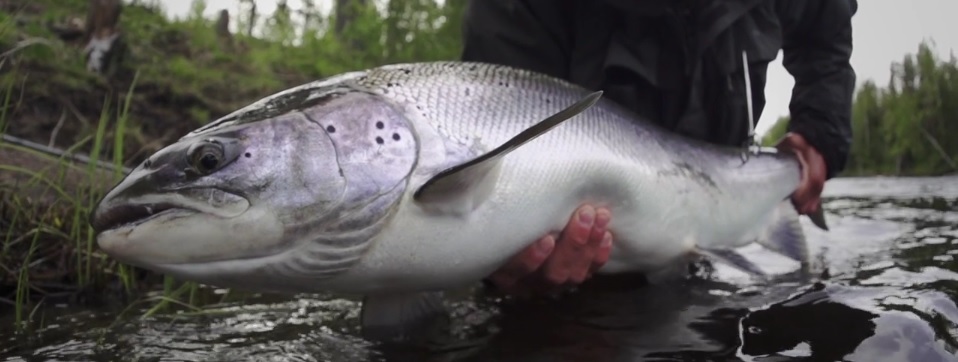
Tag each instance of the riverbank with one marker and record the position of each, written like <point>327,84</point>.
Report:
<point>165,79</point>
<point>153,80</point>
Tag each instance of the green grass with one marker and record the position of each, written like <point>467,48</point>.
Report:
<point>49,249</point>
<point>48,215</point>
<point>52,219</point>
<point>176,76</point>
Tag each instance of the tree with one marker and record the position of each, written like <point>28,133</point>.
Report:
<point>104,48</point>
<point>911,126</point>
<point>775,134</point>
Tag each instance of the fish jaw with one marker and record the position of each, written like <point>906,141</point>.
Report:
<point>185,236</point>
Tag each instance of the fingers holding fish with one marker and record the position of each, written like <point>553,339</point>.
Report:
<point>555,263</point>
<point>807,196</point>
<point>508,279</point>
<point>602,254</point>
<point>578,248</point>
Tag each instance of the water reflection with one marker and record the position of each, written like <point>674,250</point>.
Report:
<point>808,325</point>
<point>885,290</point>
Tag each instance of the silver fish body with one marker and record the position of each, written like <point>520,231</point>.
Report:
<point>314,189</point>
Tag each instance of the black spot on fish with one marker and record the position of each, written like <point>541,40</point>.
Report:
<point>390,84</point>
<point>330,129</point>
<point>379,140</point>
<point>406,71</point>
<point>395,136</point>
<point>148,163</point>
<point>472,68</point>
<point>380,125</point>
<point>548,101</point>
<point>248,155</point>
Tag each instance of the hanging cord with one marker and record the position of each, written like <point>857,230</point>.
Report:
<point>750,146</point>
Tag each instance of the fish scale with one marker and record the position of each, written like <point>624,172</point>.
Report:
<point>369,233</point>
<point>658,214</point>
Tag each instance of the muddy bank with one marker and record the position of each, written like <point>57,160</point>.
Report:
<point>167,77</point>
<point>41,206</point>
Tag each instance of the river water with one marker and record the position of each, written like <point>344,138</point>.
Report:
<point>883,288</point>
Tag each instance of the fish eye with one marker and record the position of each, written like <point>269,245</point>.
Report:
<point>211,155</point>
<point>207,157</point>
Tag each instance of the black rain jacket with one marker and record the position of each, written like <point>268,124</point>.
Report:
<point>679,62</point>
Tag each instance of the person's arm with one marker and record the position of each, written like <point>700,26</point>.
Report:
<point>531,34</point>
<point>817,46</point>
<point>527,34</point>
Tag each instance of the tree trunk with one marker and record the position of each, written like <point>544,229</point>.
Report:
<point>223,29</point>
<point>941,151</point>
<point>252,19</point>
<point>346,12</point>
<point>103,44</point>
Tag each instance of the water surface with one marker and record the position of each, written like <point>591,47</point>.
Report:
<point>883,288</point>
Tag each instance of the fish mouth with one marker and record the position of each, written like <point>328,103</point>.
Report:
<point>133,214</point>
<point>116,212</point>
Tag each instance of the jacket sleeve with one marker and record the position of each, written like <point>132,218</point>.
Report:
<point>817,47</point>
<point>528,34</point>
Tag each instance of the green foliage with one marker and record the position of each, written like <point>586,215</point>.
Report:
<point>190,74</point>
<point>910,127</point>
<point>176,75</point>
<point>775,134</point>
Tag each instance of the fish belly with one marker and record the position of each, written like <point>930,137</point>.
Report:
<point>659,216</point>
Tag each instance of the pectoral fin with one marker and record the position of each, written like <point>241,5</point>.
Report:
<point>470,183</point>
<point>397,317</point>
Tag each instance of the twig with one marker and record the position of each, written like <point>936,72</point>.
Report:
<point>56,129</point>
<point>25,43</point>
<point>60,153</point>
<point>937,146</point>
<point>23,237</point>
<point>76,112</point>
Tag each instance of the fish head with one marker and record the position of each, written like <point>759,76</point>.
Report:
<point>294,195</point>
<point>216,196</point>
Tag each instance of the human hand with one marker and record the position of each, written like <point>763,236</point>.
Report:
<point>807,197</point>
<point>547,266</point>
